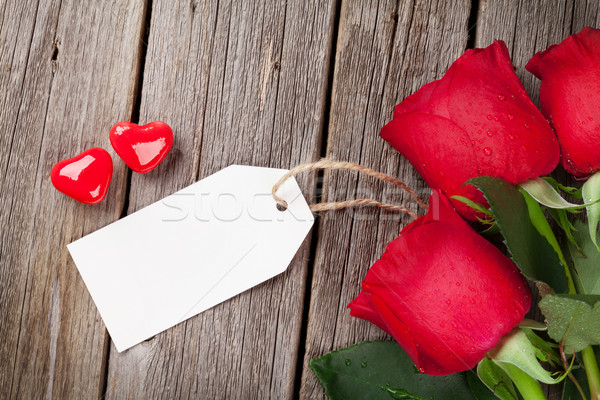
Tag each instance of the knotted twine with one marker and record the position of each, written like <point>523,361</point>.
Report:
<point>327,164</point>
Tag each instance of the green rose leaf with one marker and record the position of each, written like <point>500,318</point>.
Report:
<point>571,191</point>
<point>473,205</point>
<point>496,380</point>
<point>545,194</point>
<point>574,318</point>
<point>544,351</point>
<point>516,349</point>
<point>478,388</point>
<point>586,261</point>
<point>532,324</point>
<point>562,219</point>
<point>530,251</point>
<point>381,370</point>
<point>539,221</point>
<point>591,194</point>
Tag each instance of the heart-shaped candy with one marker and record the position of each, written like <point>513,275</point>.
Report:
<point>141,147</point>
<point>84,177</point>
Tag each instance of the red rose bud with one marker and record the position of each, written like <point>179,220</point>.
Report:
<point>570,97</point>
<point>475,121</point>
<point>443,292</point>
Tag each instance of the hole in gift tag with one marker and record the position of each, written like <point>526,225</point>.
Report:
<point>282,206</point>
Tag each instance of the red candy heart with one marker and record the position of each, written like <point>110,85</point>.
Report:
<point>141,147</point>
<point>84,177</point>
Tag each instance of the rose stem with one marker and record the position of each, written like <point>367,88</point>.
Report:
<point>563,357</point>
<point>529,388</point>
<point>592,371</point>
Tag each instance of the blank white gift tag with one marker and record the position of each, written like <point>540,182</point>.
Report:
<point>190,251</point>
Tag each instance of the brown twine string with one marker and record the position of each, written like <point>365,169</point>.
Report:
<point>330,164</point>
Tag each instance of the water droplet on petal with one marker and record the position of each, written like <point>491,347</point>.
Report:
<point>448,301</point>
<point>487,151</point>
<point>422,370</point>
<point>496,118</point>
<point>489,117</point>
<point>490,134</point>
<point>473,348</point>
<point>469,258</point>
<point>501,97</point>
<point>511,117</point>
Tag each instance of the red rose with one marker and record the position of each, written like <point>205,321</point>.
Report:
<point>443,292</point>
<point>477,120</point>
<point>570,97</point>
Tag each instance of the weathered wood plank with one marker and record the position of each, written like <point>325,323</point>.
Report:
<point>531,26</point>
<point>385,52</point>
<point>528,27</point>
<point>16,35</point>
<point>67,72</point>
<point>585,13</point>
<point>240,82</point>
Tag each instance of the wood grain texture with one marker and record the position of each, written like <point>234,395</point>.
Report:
<point>585,13</point>
<point>526,27</point>
<point>531,26</point>
<point>67,73</point>
<point>239,82</point>
<point>385,52</point>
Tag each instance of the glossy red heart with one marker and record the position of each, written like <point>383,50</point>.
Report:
<point>84,177</point>
<point>141,147</point>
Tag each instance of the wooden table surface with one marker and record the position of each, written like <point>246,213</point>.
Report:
<point>273,83</point>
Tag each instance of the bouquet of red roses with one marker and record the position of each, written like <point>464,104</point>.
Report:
<point>453,301</point>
